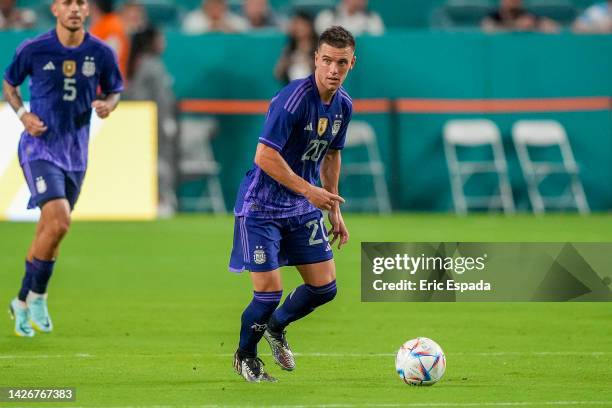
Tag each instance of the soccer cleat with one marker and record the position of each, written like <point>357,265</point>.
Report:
<point>251,368</point>
<point>280,350</point>
<point>39,313</point>
<point>22,319</point>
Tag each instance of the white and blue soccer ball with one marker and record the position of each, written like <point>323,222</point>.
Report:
<point>420,361</point>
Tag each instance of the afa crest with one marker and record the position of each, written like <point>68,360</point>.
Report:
<point>89,67</point>
<point>259,256</point>
<point>336,127</point>
<point>69,68</point>
<point>322,127</point>
<point>41,185</point>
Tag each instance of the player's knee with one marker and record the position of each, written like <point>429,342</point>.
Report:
<point>324,294</point>
<point>60,226</point>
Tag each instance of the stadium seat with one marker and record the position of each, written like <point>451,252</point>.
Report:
<point>163,13</point>
<point>562,11</point>
<point>196,161</point>
<point>360,135</point>
<point>461,14</point>
<point>548,134</point>
<point>477,133</point>
<point>312,7</point>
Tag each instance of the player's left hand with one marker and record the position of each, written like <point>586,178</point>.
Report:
<point>102,108</point>
<point>338,228</point>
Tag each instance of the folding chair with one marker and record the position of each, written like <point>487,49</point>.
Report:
<point>548,134</point>
<point>476,133</point>
<point>197,161</point>
<point>361,135</point>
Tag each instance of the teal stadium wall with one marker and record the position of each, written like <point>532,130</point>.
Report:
<point>411,64</point>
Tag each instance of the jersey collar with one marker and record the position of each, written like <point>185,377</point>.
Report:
<point>77,48</point>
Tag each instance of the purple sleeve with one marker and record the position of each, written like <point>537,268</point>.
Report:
<point>340,139</point>
<point>278,125</point>
<point>110,77</point>
<point>20,67</point>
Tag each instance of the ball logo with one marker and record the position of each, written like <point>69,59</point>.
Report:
<point>41,185</point>
<point>259,256</point>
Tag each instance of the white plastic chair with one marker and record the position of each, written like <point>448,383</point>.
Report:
<point>548,134</point>
<point>361,134</point>
<point>197,161</point>
<point>476,133</point>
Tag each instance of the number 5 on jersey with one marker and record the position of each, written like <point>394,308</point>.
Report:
<point>70,91</point>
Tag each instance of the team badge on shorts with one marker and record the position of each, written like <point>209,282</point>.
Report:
<point>69,68</point>
<point>259,255</point>
<point>336,127</point>
<point>41,185</point>
<point>322,126</point>
<point>89,67</point>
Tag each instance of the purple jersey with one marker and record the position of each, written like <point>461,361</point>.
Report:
<point>63,84</point>
<point>302,129</point>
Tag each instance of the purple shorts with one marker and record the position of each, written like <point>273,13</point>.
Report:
<point>47,182</point>
<point>262,245</point>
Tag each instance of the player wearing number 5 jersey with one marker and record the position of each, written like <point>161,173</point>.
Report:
<point>278,218</point>
<point>66,67</point>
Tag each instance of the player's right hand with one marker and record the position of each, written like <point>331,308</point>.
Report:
<point>322,199</point>
<point>33,125</point>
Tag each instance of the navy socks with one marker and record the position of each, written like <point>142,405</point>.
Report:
<point>44,269</point>
<point>302,301</point>
<point>254,320</point>
<point>36,279</point>
<point>26,283</point>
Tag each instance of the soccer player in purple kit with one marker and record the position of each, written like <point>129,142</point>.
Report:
<point>278,218</point>
<point>66,66</point>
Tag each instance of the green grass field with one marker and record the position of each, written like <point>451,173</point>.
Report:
<point>146,314</point>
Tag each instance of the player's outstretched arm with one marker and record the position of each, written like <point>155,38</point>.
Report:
<point>32,123</point>
<point>330,175</point>
<point>271,162</point>
<point>104,107</point>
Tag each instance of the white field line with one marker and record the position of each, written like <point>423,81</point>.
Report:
<point>323,355</point>
<point>484,354</point>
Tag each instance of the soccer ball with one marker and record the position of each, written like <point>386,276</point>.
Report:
<point>420,361</point>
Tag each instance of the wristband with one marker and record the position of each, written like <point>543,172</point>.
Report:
<point>21,111</point>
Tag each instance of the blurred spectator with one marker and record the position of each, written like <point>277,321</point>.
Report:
<point>352,15</point>
<point>134,16</point>
<point>213,16</point>
<point>258,14</point>
<point>512,16</point>
<point>595,19</point>
<point>148,79</point>
<point>12,17</point>
<point>297,59</point>
<point>107,25</point>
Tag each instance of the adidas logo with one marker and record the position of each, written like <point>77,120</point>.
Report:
<point>49,66</point>
<point>308,127</point>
